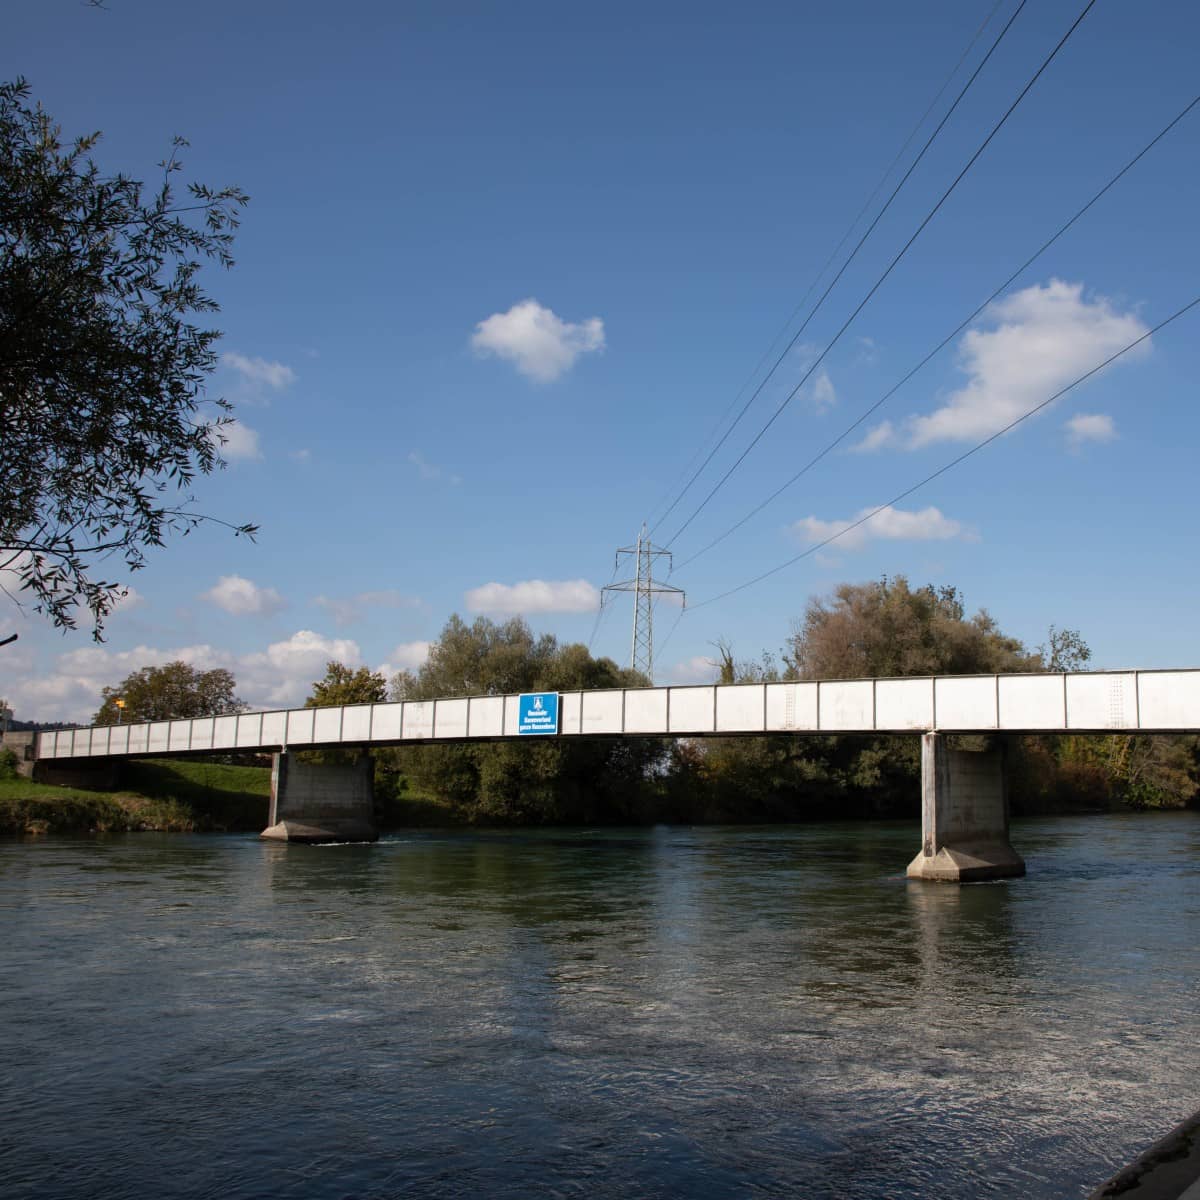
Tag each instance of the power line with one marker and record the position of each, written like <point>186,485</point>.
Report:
<point>891,266</point>
<point>833,283</point>
<point>828,262</point>
<point>841,437</point>
<point>952,463</point>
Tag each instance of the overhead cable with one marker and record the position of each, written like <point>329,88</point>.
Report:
<point>841,437</point>
<point>891,266</point>
<point>954,462</point>
<point>833,283</point>
<point>821,273</point>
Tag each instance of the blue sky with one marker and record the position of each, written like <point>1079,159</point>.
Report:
<point>506,266</point>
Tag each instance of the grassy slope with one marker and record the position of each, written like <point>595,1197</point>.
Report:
<point>155,794</point>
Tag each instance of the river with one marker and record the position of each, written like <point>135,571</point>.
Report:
<point>674,1012</point>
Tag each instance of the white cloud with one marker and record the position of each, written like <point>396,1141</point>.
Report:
<point>1041,339</point>
<point>1090,427</point>
<point>881,435</point>
<point>693,670</point>
<point>258,371</point>
<point>536,340</point>
<point>300,456</point>
<point>823,393</point>
<point>428,470</point>
<point>283,674</point>
<point>534,596</point>
<point>279,677</point>
<point>235,440</point>
<point>408,656</point>
<point>349,609</point>
<point>889,524</point>
<point>241,597</point>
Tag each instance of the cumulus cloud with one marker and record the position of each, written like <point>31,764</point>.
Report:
<point>280,676</point>
<point>240,597</point>
<point>881,435</point>
<point>1039,340</point>
<point>889,524</point>
<point>534,596</point>
<point>237,441</point>
<point>408,656</point>
<point>259,372</point>
<point>536,340</point>
<point>1090,427</point>
<point>347,610</point>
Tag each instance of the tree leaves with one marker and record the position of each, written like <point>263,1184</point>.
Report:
<point>102,403</point>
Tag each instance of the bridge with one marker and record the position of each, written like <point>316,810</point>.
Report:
<point>964,798</point>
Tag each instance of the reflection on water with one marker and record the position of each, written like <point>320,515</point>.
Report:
<point>668,1012</point>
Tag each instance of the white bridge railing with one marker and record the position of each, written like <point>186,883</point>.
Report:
<point>1146,701</point>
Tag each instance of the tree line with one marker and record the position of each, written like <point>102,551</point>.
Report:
<point>884,628</point>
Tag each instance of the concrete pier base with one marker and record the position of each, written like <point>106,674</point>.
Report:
<point>964,816</point>
<point>321,803</point>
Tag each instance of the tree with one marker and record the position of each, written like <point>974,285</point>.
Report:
<point>1064,650</point>
<point>102,371</point>
<point>533,780</point>
<point>342,685</point>
<point>891,629</point>
<point>175,690</point>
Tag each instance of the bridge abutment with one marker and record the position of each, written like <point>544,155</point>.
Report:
<point>318,802</point>
<point>964,816</point>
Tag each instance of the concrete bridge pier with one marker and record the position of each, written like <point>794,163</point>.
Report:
<point>964,816</point>
<point>316,802</point>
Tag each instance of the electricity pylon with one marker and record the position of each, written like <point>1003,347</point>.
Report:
<point>644,590</point>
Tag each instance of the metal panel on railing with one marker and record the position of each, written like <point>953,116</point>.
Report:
<point>274,729</point>
<point>356,723</point>
<point>1032,702</point>
<point>386,720</point>
<point>451,718</point>
<point>1168,699</point>
<point>646,711</point>
<point>249,731</point>
<point>570,712</point>
<point>847,704</point>
<point>741,708</point>
<point>300,726</point>
<point>792,706</point>
<point>965,702</point>
<point>418,719</point>
<point>903,704</point>
<point>602,712</point>
<point>485,716</point>
<point>1107,701</point>
<point>225,733</point>
<point>693,710</point>
<point>179,736</point>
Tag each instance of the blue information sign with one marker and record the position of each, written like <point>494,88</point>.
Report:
<point>537,712</point>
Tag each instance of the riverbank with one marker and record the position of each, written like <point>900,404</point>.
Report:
<point>154,795</point>
<point>180,796</point>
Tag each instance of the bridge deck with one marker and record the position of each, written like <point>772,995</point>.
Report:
<point>1109,701</point>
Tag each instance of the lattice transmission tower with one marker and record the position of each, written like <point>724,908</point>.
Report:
<point>644,590</point>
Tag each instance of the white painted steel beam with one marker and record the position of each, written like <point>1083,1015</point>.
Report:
<point>1099,702</point>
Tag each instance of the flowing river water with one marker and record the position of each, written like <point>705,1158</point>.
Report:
<point>673,1012</point>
